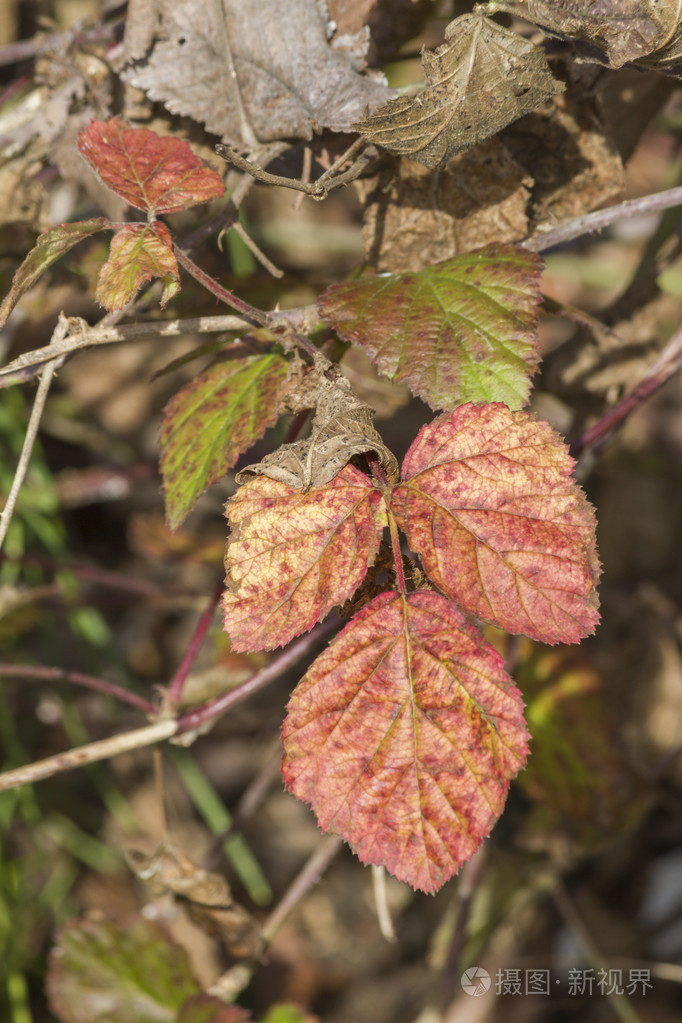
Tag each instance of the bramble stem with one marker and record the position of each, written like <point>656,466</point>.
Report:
<point>178,680</point>
<point>278,665</point>
<point>43,674</point>
<point>603,218</point>
<point>250,311</point>
<point>668,362</point>
<point>397,555</point>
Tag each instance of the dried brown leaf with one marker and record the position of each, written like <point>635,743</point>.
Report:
<point>260,71</point>
<point>482,78</point>
<point>623,30</point>
<point>342,427</point>
<point>575,165</point>
<point>479,197</point>
<point>206,896</point>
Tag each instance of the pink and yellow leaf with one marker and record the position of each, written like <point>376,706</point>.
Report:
<point>403,737</point>
<point>293,555</point>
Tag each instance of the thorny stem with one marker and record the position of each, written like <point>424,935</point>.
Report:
<point>603,218</point>
<point>668,363</point>
<point>77,678</point>
<point>397,554</point>
<point>250,311</point>
<point>200,716</point>
<point>178,681</point>
<point>304,318</point>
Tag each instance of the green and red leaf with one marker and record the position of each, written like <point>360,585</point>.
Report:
<point>155,173</point>
<point>463,330</point>
<point>49,247</point>
<point>139,253</point>
<point>403,737</point>
<point>293,555</point>
<point>488,502</point>
<point>211,421</point>
<point>103,970</point>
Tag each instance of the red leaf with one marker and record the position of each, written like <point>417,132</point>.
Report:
<point>294,554</point>
<point>403,737</point>
<point>49,247</point>
<point>488,502</point>
<point>151,172</point>
<point>139,253</point>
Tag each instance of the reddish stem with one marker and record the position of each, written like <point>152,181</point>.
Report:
<point>277,666</point>
<point>178,680</point>
<point>397,554</point>
<point>250,311</point>
<point>666,365</point>
<point>100,685</point>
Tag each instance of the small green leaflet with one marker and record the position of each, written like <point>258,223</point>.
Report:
<point>211,421</point>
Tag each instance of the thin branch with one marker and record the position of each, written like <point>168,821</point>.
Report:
<point>668,362</point>
<point>603,218</point>
<point>175,688</point>
<point>39,673</point>
<point>258,253</point>
<point>247,310</point>
<point>307,878</point>
<point>318,189</point>
<point>103,749</point>
<point>60,333</point>
<point>294,653</point>
<point>304,318</point>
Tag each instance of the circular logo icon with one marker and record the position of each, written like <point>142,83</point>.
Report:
<point>475,981</point>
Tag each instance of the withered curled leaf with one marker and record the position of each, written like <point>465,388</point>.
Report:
<point>342,427</point>
<point>482,78</point>
<point>616,31</point>
<point>206,897</point>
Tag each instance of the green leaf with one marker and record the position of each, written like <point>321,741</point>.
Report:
<point>49,247</point>
<point>284,1012</point>
<point>458,331</point>
<point>578,776</point>
<point>211,421</point>
<point>101,971</point>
